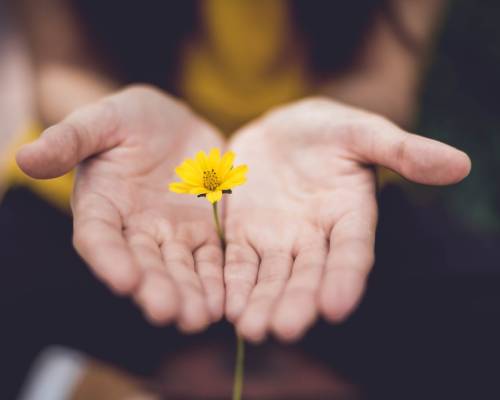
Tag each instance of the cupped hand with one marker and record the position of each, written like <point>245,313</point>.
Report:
<point>300,234</point>
<point>137,237</point>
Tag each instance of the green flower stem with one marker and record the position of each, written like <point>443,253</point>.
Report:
<point>220,231</point>
<point>239,368</point>
<point>240,344</point>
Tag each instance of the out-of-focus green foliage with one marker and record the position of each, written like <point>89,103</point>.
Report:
<point>461,106</point>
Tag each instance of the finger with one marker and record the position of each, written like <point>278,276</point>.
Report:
<point>178,258</point>
<point>158,297</point>
<point>98,238</point>
<point>415,157</point>
<point>240,274</point>
<point>349,261</point>
<point>297,307</point>
<point>85,132</point>
<point>156,294</point>
<point>208,262</point>
<point>274,271</point>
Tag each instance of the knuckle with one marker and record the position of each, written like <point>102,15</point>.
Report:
<point>178,255</point>
<point>273,277</point>
<point>239,254</point>
<point>210,254</point>
<point>191,286</point>
<point>65,140</point>
<point>262,301</point>
<point>237,285</point>
<point>212,284</point>
<point>401,151</point>
<point>136,238</point>
<point>301,293</point>
<point>180,261</point>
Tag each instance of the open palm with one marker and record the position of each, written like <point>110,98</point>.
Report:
<point>136,236</point>
<point>300,234</point>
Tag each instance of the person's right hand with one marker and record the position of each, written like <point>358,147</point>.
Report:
<point>159,247</point>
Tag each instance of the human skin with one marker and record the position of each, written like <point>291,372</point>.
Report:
<point>301,232</point>
<point>307,214</point>
<point>138,238</point>
<point>320,154</point>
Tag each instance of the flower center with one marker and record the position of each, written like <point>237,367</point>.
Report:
<point>210,180</point>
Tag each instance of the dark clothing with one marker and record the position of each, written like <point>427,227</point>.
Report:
<point>144,40</point>
<point>416,333</point>
<point>428,326</point>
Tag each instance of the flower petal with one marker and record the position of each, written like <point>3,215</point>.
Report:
<point>201,159</point>
<point>194,165</point>
<point>188,175</point>
<point>226,164</point>
<point>231,183</point>
<point>240,170</point>
<point>214,159</point>
<point>190,165</point>
<point>198,190</point>
<point>179,187</point>
<point>215,196</point>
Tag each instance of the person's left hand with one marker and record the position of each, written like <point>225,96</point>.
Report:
<point>300,234</point>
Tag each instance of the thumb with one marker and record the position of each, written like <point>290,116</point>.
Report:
<point>417,158</point>
<point>85,132</point>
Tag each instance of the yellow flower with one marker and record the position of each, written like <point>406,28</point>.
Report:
<point>209,176</point>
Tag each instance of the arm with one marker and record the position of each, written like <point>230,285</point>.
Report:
<point>135,236</point>
<point>301,232</point>
<point>389,67</point>
<point>66,72</point>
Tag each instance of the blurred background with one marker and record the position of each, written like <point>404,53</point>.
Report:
<point>428,326</point>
